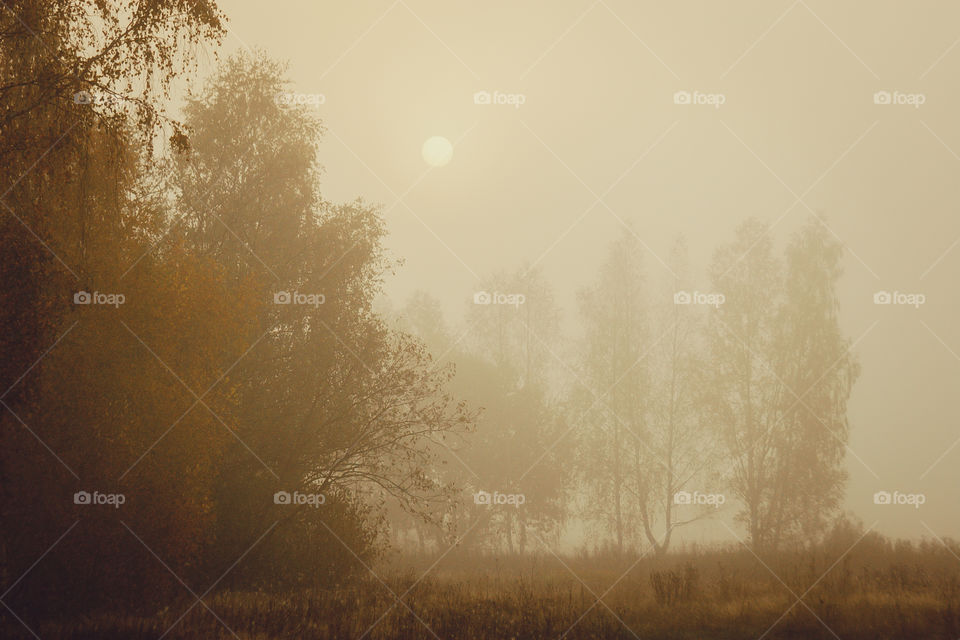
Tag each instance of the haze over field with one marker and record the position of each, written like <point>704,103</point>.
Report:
<point>799,134</point>
<point>417,318</point>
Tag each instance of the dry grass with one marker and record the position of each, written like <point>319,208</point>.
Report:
<point>892,592</point>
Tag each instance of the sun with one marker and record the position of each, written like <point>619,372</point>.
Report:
<point>437,151</point>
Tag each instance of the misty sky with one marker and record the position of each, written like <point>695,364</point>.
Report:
<point>798,132</point>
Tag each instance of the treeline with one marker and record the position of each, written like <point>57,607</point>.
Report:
<point>675,403</point>
<point>198,388</point>
<point>190,359</point>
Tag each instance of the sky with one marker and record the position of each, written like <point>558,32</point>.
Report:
<point>784,122</point>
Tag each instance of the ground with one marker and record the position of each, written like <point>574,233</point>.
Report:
<point>878,592</point>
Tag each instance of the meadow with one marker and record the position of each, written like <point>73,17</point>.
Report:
<point>873,588</point>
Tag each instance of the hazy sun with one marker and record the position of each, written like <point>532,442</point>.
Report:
<point>437,151</point>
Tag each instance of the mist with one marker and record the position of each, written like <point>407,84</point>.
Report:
<point>609,310</point>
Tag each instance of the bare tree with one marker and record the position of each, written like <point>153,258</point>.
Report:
<point>615,337</point>
<point>745,388</point>
<point>678,451</point>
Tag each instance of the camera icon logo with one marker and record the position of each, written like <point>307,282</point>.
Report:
<point>482,497</point>
<point>882,97</point>
<point>82,297</point>
<point>882,297</point>
<point>681,97</point>
<point>682,497</point>
<point>281,497</point>
<point>682,297</point>
<point>282,297</point>
<point>482,97</point>
<point>82,97</point>
<point>482,297</point>
<point>81,497</point>
<point>881,497</point>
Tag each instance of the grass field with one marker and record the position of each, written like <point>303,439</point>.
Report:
<point>873,590</point>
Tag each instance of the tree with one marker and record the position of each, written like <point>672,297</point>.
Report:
<point>333,400</point>
<point>781,375</point>
<point>679,451</point>
<point>746,391</point>
<point>613,406</point>
<point>510,449</point>
<point>516,325</point>
<point>117,56</point>
<point>71,221</point>
<point>819,371</point>
<point>513,449</point>
<point>247,184</point>
<point>510,452</point>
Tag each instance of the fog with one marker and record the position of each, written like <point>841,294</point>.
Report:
<point>599,142</point>
<point>418,318</point>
